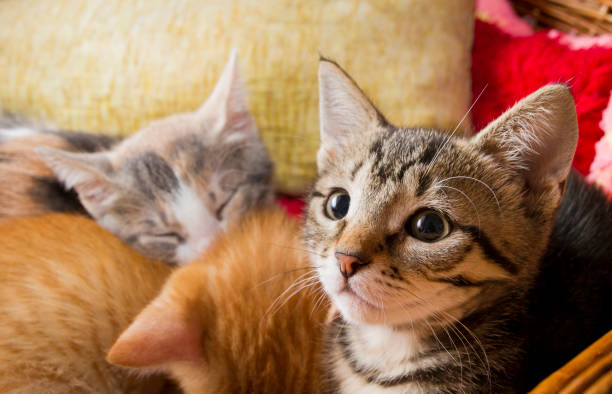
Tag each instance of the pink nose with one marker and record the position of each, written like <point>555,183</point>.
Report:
<point>349,264</point>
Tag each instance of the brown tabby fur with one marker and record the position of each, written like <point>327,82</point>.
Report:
<point>458,265</point>
<point>67,288</point>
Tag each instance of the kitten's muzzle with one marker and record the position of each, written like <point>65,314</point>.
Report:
<point>349,263</point>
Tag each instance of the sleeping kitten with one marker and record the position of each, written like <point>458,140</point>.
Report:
<point>457,265</point>
<point>228,323</point>
<point>166,190</point>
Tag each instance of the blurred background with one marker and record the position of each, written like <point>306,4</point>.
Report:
<point>111,66</point>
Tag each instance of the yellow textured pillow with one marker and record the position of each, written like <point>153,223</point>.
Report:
<point>114,65</point>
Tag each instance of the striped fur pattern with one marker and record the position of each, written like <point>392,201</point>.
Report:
<point>166,190</point>
<point>449,314</point>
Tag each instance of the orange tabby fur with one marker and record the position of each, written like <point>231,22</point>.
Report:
<point>67,289</point>
<point>223,324</point>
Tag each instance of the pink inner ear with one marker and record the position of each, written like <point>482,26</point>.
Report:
<point>95,192</point>
<point>159,335</point>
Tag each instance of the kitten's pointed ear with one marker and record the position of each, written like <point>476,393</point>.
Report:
<point>344,110</point>
<point>537,137</point>
<point>226,110</point>
<point>165,331</point>
<point>87,173</point>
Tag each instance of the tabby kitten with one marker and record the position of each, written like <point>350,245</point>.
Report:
<point>225,324</point>
<point>457,264</point>
<point>166,190</point>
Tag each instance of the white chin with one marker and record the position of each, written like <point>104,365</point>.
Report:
<point>357,310</point>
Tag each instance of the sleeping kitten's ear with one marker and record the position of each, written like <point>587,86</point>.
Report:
<point>226,109</point>
<point>87,173</point>
<point>167,330</point>
<point>536,138</point>
<point>344,110</point>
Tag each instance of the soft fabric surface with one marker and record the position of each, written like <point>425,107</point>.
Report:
<point>115,65</point>
<point>513,67</point>
<point>501,14</point>
<point>599,89</point>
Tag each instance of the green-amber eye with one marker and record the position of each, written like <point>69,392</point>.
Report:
<point>428,226</point>
<point>337,205</point>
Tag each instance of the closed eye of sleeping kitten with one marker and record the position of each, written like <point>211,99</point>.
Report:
<point>166,190</point>
<point>227,323</point>
<point>457,264</point>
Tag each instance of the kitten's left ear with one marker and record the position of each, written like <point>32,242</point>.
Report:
<point>88,173</point>
<point>345,112</point>
<point>536,138</point>
<point>226,109</point>
<point>166,331</point>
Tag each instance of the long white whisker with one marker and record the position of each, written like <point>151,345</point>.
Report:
<point>297,282</point>
<point>277,275</point>
<point>447,140</point>
<point>452,319</point>
<point>466,196</point>
<point>476,180</point>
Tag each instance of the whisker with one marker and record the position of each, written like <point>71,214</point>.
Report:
<point>300,283</point>
<point>298,249</point>
<point>320,301</point>
<point>303,286</point>
<point>476,180</point>
<point>449,137</point>
<point>279,274</point>
<point>454,320</point>
<point>466,196</point>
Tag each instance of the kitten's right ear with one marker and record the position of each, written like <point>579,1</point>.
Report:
<point>87,173</point>
<point>345,112</point>
<point>226,110</point>
<point>168,330</point>
<point>536,138</point>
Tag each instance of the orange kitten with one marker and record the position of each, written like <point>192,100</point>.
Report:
<point>229,323</point>
<point>222,324</point>
<point>67,289</point>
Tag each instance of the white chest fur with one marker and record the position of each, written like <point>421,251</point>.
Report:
<point>366,357</point>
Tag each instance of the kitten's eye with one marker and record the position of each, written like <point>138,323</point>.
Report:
<point>337,205</point>
<point>428,226</point>
<point>168,237</point>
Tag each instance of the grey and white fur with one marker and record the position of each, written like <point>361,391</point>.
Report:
<point>167,190</point>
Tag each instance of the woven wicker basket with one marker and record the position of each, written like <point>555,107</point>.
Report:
<point>592,17</point>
